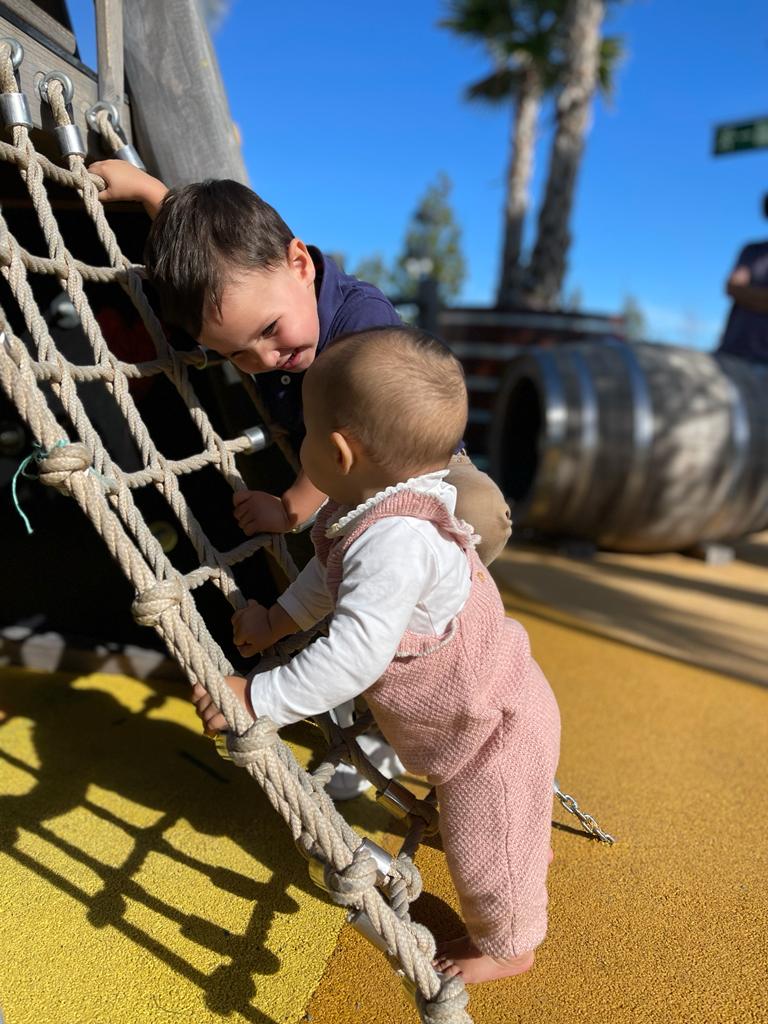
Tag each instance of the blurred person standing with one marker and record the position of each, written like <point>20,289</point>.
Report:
<point>746,331</point>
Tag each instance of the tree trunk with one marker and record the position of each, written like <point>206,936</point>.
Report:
<point>518,177</point>
<point>550,255</point>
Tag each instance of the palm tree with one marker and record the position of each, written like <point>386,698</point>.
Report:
<point>520,36</point>
<point>589,63</point>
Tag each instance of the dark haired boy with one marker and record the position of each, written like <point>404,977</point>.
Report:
<point>229,270</point>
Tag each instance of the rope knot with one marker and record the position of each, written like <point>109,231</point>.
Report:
<point>57,466</point>
<point>346,885</point>
<point>448,1006</point>
<point>257,737</point>
<point>149,606</point>
<point>410,875</point>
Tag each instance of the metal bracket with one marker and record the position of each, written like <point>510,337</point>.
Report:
<point>17,50</point>
<point>112,113</point>
<point>56,76</point>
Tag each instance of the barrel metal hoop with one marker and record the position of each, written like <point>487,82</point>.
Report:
<point>555,411</point>
<point>588,438</point>
<point>627,508</point>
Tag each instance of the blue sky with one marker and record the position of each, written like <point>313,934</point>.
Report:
<point>348,110</point>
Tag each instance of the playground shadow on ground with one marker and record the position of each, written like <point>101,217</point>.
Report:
<point>86,737</point>
<point>705,615</point>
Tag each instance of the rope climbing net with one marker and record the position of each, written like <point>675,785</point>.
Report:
<point>375,887</point>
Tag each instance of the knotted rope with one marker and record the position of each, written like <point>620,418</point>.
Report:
<point>81,466</point>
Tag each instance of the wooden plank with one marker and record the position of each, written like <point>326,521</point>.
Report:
<point>38,60</point>
<point>109,42</point>
<point>181,115</point>
<point>33,14</point>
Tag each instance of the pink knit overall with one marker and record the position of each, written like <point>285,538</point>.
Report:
<point>472,711</point>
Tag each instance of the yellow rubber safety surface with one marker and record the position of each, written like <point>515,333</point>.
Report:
<point>144,880</point>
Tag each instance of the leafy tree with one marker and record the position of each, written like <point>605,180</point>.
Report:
<point>375,270</point>
<point>432,246</point>
<point>431,251</point>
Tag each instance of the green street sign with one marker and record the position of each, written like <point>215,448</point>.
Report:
<point>741,135</point>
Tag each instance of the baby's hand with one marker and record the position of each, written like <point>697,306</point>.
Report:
<point>129,183</point>
<point>209,714</point>
<point>259,512</point>
<point>252,629</point>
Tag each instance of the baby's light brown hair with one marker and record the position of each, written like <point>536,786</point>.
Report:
<point>399,392</point>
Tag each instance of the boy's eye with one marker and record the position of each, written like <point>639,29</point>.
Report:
<point>269,330</point>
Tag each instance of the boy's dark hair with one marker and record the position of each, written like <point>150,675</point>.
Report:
<point>202,233</point>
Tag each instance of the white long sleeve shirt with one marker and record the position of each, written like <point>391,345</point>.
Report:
<point>400,574</point>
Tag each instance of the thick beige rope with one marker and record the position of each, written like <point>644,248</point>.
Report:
<point>84,469</point>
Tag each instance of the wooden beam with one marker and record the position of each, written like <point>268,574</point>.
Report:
<point>109,43</point>
<point>182,122</point>
<point>35,17</point>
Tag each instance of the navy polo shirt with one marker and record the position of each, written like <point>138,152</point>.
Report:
<point>344,304</point>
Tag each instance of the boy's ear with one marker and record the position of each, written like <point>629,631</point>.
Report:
<point>300,262</point>
<point>344,451</point>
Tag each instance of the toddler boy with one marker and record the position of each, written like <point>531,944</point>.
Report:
<point>229,271</point>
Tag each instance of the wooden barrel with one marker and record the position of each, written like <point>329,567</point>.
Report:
<point>637,447</point>
<point>484,340</point>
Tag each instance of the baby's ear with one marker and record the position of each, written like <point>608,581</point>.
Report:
<point>344,452</point>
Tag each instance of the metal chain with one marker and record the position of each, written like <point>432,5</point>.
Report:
<point>587,822</point>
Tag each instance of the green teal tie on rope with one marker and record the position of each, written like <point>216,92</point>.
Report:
<point>38,455</point>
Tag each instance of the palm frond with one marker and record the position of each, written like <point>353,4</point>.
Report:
<point>498,87</point>
<point>612,53</point>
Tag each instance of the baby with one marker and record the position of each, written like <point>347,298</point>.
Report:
<point>419,629</point>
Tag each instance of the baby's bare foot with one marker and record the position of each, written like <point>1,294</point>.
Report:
<point>461,957</point>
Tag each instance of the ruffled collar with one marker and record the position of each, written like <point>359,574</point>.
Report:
<point>428,483</point>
